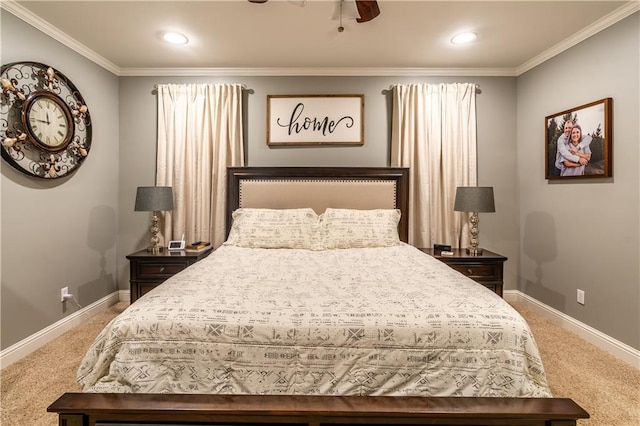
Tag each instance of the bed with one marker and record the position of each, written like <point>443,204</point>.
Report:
<point>316,310</point>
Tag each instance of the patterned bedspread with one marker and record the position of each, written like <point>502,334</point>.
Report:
<point>374,321</point>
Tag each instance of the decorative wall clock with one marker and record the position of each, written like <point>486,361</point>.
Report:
<point>44,121</point>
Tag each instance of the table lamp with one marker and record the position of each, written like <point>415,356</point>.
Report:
<point>154,199</point>
<point>474,199</point>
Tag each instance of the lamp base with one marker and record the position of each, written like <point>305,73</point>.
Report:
<point>474,251</point>
<point>154,250</point>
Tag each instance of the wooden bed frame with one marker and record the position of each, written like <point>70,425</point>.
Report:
<point>336,187</point>
<point>246,188</point>
<point>86,409</point>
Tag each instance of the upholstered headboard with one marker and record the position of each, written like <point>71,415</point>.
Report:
<point>319,188</point>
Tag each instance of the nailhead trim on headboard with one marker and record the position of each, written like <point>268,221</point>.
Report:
<point>388,185</point>
<point>367,181</point>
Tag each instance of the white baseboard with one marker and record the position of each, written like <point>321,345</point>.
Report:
<point>24,347</point>
<point>607,343</point>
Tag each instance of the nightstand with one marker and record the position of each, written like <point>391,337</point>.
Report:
<point>487,269</point>
<point>149,270</point>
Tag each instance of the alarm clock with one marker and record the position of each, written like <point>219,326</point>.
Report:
<point>176,244</point>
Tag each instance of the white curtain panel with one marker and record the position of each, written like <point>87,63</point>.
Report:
<point>199,135</point>
<point>434,134</point>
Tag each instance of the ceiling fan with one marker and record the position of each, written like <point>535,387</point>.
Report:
<point>367,9</point>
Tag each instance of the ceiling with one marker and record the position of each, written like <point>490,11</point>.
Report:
<point>284,37</point>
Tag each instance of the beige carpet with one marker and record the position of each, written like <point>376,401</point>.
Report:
<point>30,385</point>
<point>607,388</point>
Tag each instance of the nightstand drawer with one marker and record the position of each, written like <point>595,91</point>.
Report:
<point>146,287</point>
<point>156,270</point>
<point>149,270</point>
<point>477,272</point>
<point>485,268</point>
<point>495,287</point>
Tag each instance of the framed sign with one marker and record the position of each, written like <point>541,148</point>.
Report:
<point>315,120</point>
<point>578,142</point>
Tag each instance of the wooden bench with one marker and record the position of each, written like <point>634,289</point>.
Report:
<point>86,409</point>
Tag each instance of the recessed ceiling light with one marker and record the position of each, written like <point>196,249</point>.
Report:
<point>174,38</point>
<point>463,38</point>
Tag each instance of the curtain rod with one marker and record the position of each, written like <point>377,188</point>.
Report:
<point>244,87</point>
<point>394,85</point>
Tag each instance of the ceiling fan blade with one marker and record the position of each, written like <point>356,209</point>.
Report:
<point>296,2</point>
<point>368,9</point>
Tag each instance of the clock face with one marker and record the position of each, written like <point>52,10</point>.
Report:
<point>49,121</point>
<point>45,125</point>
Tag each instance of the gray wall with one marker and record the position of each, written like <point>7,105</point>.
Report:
<point>62,232</point>
<point>92,226</point>
<point>584,234</point>
<point>496,105</point>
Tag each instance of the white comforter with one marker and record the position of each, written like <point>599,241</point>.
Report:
<point>376,321</point>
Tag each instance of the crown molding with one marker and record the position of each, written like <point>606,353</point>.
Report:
<point>27,16</point>
<point>35,21</point>
<point>343,72</point>
<point>603,23</point>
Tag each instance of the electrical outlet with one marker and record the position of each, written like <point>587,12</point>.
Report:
<point>64,294</point>
<point>580,297</point>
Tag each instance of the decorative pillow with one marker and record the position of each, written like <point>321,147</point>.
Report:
<point>274,228</point>
<point>346,228</point>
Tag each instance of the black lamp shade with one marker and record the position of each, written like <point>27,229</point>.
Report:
<point>154,198</point>
<point>477,199</point>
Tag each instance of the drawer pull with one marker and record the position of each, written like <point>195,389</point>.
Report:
<point>162,269</point>
<point>469,271</point>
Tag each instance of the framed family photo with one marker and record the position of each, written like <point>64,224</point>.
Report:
<point>315,120</point>
<point>578,142</point>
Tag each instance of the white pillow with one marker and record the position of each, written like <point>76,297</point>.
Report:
<point>347,228</point>
<point>274,228</point>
